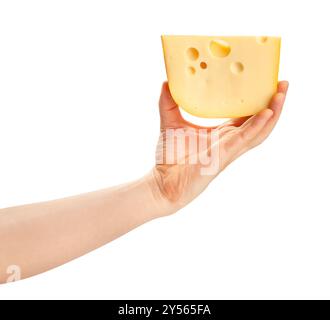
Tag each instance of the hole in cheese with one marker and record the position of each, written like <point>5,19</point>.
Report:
<point>191,70</point>
<point>220,48</point>
<point>192,54</point>
<point>203,65</point>
<point>236,67</point>
<point>262,40</point>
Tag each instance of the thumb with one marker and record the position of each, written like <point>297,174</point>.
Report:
<point>170,116</point>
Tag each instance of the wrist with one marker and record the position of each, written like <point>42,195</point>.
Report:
<point>161,204</point>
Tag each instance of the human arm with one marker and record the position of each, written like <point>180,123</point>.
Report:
<point>41,236</point>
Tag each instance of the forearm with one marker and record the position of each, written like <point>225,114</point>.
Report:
<point>41,236</point>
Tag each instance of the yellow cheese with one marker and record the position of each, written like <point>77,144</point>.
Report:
<point>222,77</point>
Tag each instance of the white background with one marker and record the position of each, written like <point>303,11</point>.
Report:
<point>74,74</point>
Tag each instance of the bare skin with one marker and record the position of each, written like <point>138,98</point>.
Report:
<point>38,237</point>
<point>179,183</point>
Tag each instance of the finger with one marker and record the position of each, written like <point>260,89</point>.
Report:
<point>252,127</point>
<point>283,87</point>
<point>276,105</point>
<point>224,129</point>
<point>277,101</point>
<point>236,122</point>
<point>239,139</point>
<point>170,115</point>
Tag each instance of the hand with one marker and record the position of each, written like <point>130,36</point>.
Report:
<point>181,172</point>
<point>37,237</point>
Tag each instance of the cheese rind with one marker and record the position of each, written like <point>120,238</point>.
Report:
<point>222,77</point>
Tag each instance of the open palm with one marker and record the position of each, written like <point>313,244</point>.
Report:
<point>183,177</point>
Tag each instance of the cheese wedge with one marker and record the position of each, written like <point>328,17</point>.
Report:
<point>222,77</point>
